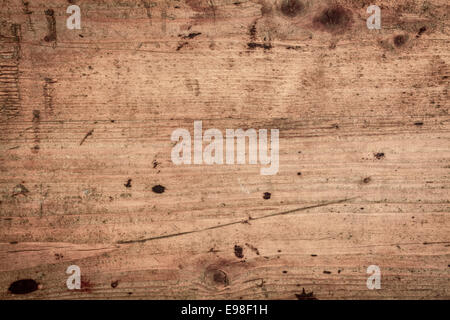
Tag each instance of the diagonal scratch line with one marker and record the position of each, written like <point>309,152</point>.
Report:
<point>237,222</point>
<point>86,136</point>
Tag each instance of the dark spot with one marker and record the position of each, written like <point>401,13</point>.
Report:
<point>220,277</point>
<point>379,155</point>
<point>254,45</point>
<point>158,189</point>
<point>267,195</point>
<point>155,164</point>
<point>284,271</point>
<point>367,180</point>
<point>335,18</point>
<point>327,272</point>
<point>238,251</point>
<point>306,295</point>
<point>36,115</point>
<point>128,184</point>
<point>400,40</point>
<point>114,284</point>
<point>314,255</point>
<point>299,173</point>
<point>23,286</point>
<point>421,31</point>
<point>418,123</point>
<point>13,242</point>
<point>292,8</point>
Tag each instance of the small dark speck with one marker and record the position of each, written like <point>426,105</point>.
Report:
<point>421,31</point>
<point>81,36</point>
<point>400,40</point>
<point>327,272</point>
<point>314,255</point>
<point>158,189</point>
<point>14,242</point>
<point>284,271</point>
<point>299,173</point>
<point>418,123</point>
<point>367,180</point>
<point>379,155</point>
<point>114,284</point>
<point>128,184</point>
<point>238,251</point>
<point>267,195</point>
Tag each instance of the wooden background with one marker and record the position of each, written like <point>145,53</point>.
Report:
<point>364,149</point>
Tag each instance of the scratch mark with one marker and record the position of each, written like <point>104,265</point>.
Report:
<point>236,222</point>
<point>86,136</point>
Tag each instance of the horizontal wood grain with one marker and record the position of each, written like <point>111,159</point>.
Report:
<point>85,123</point>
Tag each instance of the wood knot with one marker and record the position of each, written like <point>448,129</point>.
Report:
<point>333,19</point>
<point>216,277</point>
<point>292,8</point>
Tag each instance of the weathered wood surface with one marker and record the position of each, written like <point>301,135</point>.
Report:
<point>83,111</point>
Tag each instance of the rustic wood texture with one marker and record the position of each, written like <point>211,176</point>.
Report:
<point>86,117</point>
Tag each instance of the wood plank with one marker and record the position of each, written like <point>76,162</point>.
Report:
<point>87,115</point>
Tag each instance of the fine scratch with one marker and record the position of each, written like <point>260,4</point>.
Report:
<point>86,136</point>
<point>236,222</point>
